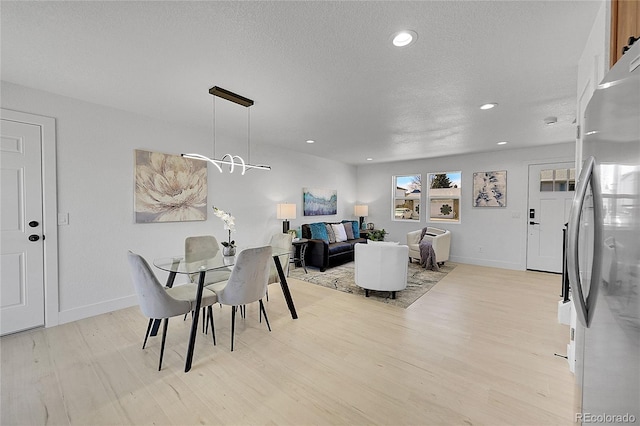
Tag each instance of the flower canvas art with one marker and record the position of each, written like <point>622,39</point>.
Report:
<point>169,188</point>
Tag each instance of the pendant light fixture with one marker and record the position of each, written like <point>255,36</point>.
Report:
<point>229,159</point>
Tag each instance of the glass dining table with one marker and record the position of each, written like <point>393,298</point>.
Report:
<point>178,265</point>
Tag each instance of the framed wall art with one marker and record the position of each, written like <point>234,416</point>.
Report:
<point>169,188</point>
<point>490,189</point>
<point>319,202</point>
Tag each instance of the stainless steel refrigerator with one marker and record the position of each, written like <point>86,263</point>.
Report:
<point>603,251</point>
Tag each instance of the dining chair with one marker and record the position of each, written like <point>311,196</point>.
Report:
<point>247,283</point>
<point>279,240</point>
<point>203,247</point>
<point>159,302</point>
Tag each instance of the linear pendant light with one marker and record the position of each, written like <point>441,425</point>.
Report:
<point>228,159</point>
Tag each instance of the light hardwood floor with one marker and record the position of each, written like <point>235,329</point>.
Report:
<point>476,349</point>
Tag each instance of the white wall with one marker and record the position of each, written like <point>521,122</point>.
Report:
<point>502,232</point>
<point>95,155</point>
<point>95,146</point>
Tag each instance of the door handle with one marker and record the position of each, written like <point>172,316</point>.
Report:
<point>585,307</point>
<point>534,223</point>
<point>34,237</point>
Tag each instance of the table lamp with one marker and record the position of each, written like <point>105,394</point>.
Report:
<point>362,211</point>
<point>286,212</point>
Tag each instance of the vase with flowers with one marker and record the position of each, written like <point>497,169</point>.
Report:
<point>229,246</point>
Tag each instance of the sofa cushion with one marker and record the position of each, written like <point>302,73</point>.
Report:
<point>319,231</point>
<point>337,248</point>
<point>339,232</point>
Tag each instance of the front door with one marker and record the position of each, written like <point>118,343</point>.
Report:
<point>22,252</point>
<point>551,189</point>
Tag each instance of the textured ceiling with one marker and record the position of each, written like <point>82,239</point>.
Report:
<point>317,70</point>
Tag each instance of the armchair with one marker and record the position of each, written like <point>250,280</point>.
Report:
<point>381,267</point>
<point>440,241</point>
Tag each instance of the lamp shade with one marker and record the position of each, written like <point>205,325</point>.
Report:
<point>361,210</point>
<point>286,211</point>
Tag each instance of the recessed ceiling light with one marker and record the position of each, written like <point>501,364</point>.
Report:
<point>369,159</point>
<point>404,38</point>
<point>310,141</point>
<point>503,143</point>
<point>489,105</point>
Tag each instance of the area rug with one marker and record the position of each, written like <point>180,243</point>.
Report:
<point>419,281</point>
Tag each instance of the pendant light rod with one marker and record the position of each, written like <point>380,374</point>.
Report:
<point>230,96</point>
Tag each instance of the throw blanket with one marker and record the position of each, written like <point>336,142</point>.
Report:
<point>427,254</point>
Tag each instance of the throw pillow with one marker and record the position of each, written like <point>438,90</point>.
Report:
<point>330,233</point>
<point>340,233</point>
<point>354,226</point>
<point>348,229</point>
<point>318,231</point>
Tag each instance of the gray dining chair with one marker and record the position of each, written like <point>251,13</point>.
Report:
<point>279,240</point>
<point>247,283</point>
<point>204,247</point>
<point>159,302</point>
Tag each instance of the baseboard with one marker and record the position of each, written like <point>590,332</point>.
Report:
<point>486,262</point>
<point>87,311</point>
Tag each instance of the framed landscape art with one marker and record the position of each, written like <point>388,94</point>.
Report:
<point>319,202</point>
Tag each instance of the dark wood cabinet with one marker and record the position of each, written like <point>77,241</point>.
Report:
<point>625,23</point>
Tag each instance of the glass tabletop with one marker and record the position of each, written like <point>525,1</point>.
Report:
<point>179,265</point>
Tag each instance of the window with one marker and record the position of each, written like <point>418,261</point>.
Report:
<point>558,180</point>
<point>407,192</point>
<point>444,196</point>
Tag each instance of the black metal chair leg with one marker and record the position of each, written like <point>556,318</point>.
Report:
<point>146,336</point>
<point>213,329</point>
<point>265,314</point>
<point>233,324</point>
<point>164,338</point>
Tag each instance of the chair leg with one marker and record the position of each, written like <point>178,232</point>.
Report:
<point>146,336</point>
<point>164,337</point>
<point>213,329</point>
<point>265,314</point>
<point>233,324</point>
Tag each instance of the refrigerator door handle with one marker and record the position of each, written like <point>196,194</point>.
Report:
<point>585,307</point>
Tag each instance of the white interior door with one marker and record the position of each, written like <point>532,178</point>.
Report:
<point>22,252</point>
<point>551,189</point>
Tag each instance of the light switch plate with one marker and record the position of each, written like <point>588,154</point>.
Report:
<point>63,218</point>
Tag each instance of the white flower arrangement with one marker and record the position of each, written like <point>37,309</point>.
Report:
<point>229,225</point>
